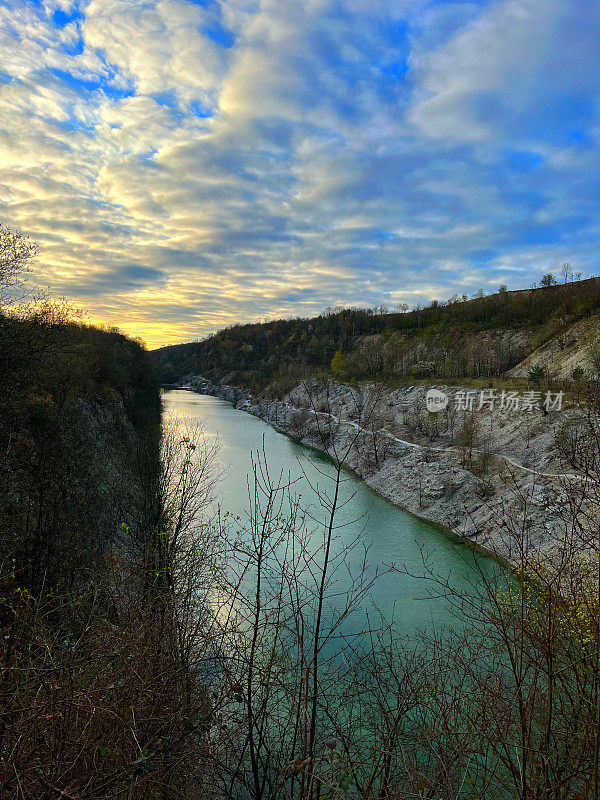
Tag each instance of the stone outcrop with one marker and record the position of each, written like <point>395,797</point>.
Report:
<point>235,396</point>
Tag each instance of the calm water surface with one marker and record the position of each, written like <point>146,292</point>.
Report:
<point>392,535</point>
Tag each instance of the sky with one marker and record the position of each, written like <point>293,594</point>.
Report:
<point>189,164</point>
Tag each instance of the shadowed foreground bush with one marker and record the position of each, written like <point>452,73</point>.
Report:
<point>98,700</point>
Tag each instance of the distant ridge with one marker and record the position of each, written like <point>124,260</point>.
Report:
<point>481,337</point>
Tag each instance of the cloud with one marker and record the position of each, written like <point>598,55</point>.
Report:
<point>159,47</point>
<point>185,165</point>
<point>524,69</point>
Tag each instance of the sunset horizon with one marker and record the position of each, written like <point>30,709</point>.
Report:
<point>185,165</point>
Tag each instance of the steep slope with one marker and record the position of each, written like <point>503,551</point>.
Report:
<point>575,347</point>
<point>77,403</point>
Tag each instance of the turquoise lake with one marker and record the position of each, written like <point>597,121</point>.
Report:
<point>393,536</point>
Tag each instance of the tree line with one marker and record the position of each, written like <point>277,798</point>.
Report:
<point>374,341</point>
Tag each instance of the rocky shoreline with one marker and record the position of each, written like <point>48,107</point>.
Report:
<point>485,490</point>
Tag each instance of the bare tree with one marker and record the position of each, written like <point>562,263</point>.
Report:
<point>567,271</point>
<point>17,251</point>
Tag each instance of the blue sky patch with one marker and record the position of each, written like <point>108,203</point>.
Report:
<point>219,34</point>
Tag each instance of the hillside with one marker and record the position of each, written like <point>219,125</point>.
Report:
<point>89,661</point>
<point>503,334</point>
<point>77,401</point>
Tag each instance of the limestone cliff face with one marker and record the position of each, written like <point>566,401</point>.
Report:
<point>73,473</point>
<point>502,475</point>
<point>101,450</point>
